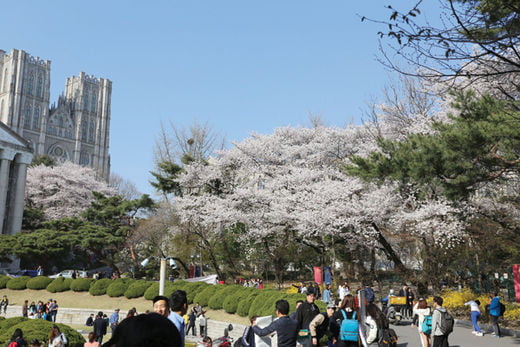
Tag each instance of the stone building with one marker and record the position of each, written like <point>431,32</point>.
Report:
<point>75,128</point>
<point>15,154</point>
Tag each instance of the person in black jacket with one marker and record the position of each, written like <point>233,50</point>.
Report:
<point>304,315</point>
<point>18,338</point>
<point>100,327</point>
<point>286,328</point>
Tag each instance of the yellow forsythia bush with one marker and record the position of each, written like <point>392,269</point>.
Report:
<point>512,312</point>
<point>456,299</point>
<point>292,290</point>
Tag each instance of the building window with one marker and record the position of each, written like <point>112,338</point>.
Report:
<point>93,102</point>
<point>39,86</point>
<point>91,131</point>
<point>4,83</point>
<point>36,118</point>
<point>83,158</point>
<point>51,128</point>
<point>68,132</point>
<point>84,130</point>
<point>1,108</point>
<point>85,100</point>
<point>30,84</point>
<point>28,116</point>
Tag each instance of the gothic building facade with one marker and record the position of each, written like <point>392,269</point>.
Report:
<point>75,128</point>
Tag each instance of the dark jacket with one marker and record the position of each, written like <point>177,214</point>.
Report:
<point>100,326</point>
<point>305,313</point>
<point>286,330</point>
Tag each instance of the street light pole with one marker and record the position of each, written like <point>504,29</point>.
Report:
<point>162,276</point>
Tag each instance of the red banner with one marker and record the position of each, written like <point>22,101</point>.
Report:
<point>516,277</point>
<point>318,275</point>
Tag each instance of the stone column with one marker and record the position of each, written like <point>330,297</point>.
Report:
<point>19,196</point>
<point>4,187</point>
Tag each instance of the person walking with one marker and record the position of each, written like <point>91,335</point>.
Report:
<point>191,323</point>
<point>422,311</point>
<point>494,312</point>
<point>4,303</point>
<point>377,322</point>
<point>100,327</point>
<point>440,337</point>
<point>475,315</point>
<point>286,328</point>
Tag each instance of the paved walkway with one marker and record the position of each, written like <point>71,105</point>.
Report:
<point>461,337</point>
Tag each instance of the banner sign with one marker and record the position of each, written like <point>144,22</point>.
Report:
<point>318,275</point>
<point>516,277</point>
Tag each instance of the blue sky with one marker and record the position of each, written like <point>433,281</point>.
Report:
<point>242,66</point>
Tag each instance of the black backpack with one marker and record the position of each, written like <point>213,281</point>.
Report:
<point>389,338</point>
<point>446,323</point>
<point>502,309</point>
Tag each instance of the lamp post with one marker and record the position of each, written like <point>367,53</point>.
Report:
<point>162,269</point>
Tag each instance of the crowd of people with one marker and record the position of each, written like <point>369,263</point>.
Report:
<point>251,283</point>
<point>56,339</point>
<point>343,323</point>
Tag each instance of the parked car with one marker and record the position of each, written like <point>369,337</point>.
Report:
<point>30,273</point>
<point>68,274</point>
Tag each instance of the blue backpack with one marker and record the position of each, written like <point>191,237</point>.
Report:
<point>426,325</point>
<point>349,330</point>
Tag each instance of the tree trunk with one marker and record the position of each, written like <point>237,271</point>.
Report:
<point>389,251</point>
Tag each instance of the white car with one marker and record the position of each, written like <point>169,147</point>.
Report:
<point>68,274</point>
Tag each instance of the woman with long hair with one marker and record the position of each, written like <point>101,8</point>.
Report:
<point>376,321</point>
<point>346,310</point>
<point>18,338</point>
<point>56,337</point>
<point>420,310</point>
<point>92,340</point>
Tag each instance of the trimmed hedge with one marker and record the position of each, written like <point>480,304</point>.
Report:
<point>137,289</point>
<point>40,282</point>
<point>18,283</point>
<point>81,284</point>
<point>36,329</point>
<point>203,297</point>
<point>152,291</point>
<point>118,287</point>
<point>245,303</point>
<point>216,302</point>
<point>99,287</point>
<point>59,284</point>
<point>194,288</point>
<point>3,281</point>
<point>231,302</point>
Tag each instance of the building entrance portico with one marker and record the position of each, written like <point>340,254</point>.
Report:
<point>16,154</point>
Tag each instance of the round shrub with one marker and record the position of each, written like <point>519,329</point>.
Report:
<point>59,284</point>
<point>81,284</point>
<point>3,281</point>
<point>137,289</point>
<point>245,304</point>
<point>231,302</point>
<point>40,282</point>
<point>37,329</point>
<point>99,287</point>
<point>117,288</point>
<point>152,291</point>
<point>18,283</point>
<point>263,305</point>
<point>193,288</point>
<point>203,297</point>
<point>217,300</point>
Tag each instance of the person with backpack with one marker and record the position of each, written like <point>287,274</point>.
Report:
<point>495,312</point>
<point>422,318</point>
<point>17,339</point>
<point>320,325</point>
<point>377,322</point>
<point>475,315</point>
<point>442,323</point>
<point>345,324</point>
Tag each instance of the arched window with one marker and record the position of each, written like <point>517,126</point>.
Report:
<point>39,86</point>
<point>93,102</point>
<point>51,127</point>
<point>4,83</point>
<point>85,100</point>
<point>91,131</point>
<point>36,118</point>
<point>30,84</point>
<point>83,158</point>
<point>27,116</point>
<point>84,130</point>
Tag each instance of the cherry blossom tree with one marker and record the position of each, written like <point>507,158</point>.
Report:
<point>64,190</point>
